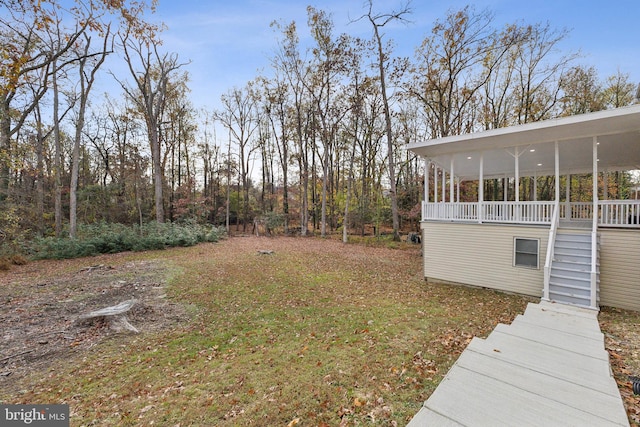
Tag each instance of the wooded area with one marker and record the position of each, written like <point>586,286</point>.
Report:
<point>314,144</point>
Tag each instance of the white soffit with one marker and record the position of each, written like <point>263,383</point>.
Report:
<point>617,132</point>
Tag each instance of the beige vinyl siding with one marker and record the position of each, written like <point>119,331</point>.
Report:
<point>482,255</point>
<point>620,268</point>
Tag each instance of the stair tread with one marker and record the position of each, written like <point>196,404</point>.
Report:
<point>570,295</point>
<point>562,276</point>
<point>577,266</point>
<point>570,253</point>
<point>584,284</point>
<point>563,286</point>
<point>581,260</point>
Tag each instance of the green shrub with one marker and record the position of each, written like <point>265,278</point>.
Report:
<point>62,248</point>
<point>112,238</point>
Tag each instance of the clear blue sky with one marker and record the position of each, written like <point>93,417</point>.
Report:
<point>228,42</point>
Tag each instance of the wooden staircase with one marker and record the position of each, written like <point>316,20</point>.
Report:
<point>570,278</point>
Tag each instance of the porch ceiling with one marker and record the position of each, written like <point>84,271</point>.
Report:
<point>617,132</point>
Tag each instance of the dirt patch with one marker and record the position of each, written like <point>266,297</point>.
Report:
<point>40,322</point>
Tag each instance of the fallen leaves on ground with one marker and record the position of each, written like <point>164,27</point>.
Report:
<point>317,333</point>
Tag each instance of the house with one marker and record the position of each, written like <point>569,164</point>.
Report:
<point>581,251</point>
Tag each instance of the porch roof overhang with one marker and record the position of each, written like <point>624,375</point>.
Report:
<point>617,132</point>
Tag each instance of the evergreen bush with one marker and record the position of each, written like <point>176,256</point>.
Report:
<point>101,238</point>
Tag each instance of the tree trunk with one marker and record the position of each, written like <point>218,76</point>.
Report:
<point>345,221</point>
<point>5,148</point>
<point>390,147</point>
<point>39,174</point>
<point>73,187</point>
<point>58,153</point>
<point>323,214</point>
<point>157,171</point>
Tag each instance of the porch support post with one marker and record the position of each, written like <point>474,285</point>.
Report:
<point>516,186</point>
<point>517,169</point>
<point>594,228</point>
<point>567,197</point>
<point>505,188</point>
<point>435,183</point>
<point>444,185</point>
<point>451,182</point>
<point>557,172</point>
<point>427,166</point>
<point>595,182</point>
<point>481,188</point>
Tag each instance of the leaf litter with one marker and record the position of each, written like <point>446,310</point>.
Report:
<point>317,333</point>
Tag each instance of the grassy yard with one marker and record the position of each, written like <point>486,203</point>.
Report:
<point>316,334</point>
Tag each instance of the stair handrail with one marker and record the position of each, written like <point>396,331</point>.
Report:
<point>555,221</point>
<point>594,259</point>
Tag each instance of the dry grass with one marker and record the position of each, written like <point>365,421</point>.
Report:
<point>318,333</point>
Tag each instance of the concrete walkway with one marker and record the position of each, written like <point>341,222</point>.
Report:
<point>548,368</point>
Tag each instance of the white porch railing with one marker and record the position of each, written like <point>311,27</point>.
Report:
<point>611,213</point>
<point>509,212</point>
<point>619,213</point>
<point>576,211</point>
<point>450,211</point>
<point>518,212</point>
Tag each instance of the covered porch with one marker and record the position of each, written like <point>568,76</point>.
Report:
<point>568,172</point>
<point>601,144</point>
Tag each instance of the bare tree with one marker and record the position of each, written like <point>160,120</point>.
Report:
<point>324,88</point>
<point>32,40</point>
<point>538,74</point>
<point>454,64</point>
<point>295,72</point>
<point>277,107</point>
<point>151,72</point>
<point>378,21</point>
<point>86,80</point>
<point>240,118</point>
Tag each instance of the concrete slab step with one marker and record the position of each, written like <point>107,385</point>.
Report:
<point>474,399</point>
<point>572,328</point>
<point>570,299</point>
<point>563,364</point>
<point>577,396</point>
<point>555,338</point>
<point>549,367</point>
<point>427,417</point>
<point>561,309</point>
